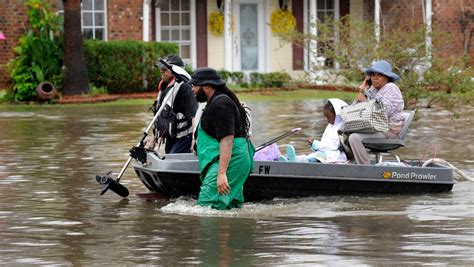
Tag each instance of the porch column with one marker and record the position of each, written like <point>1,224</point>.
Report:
<point>377,20</point>
<point>228,35</point>
<point>146,20</point>
<point>428,10</point>
<point>337,65</point>
<point>313,46</point>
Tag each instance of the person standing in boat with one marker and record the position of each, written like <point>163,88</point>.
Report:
<point>379,84</point>
<point>326,150</point>
<point>223,147</point>
<point>174,125</point>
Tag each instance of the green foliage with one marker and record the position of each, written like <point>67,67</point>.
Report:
<point>224,74</point>
<point>237,77</point>
<point>455,79</point>
<point>38,56</point>
<point>441,85</point>
<point>95,91</point>
<point>270,79</point>
<point>255,79</point>
<point>189,69</point>
<point>123,66</point>
<point>232,77</point>
<point>347,45</point>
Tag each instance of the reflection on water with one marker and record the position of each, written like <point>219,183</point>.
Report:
<point>51,212</point>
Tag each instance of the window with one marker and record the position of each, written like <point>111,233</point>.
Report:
<point>175,25</point>
<point>93,18</point>
<point>322,10</point>
<point>325,8</point>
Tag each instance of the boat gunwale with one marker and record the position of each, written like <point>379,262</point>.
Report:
<point>155,170</point>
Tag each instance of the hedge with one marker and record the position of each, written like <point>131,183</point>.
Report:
<point>125,66</point>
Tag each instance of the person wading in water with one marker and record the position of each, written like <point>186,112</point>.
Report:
<point>223,147</point>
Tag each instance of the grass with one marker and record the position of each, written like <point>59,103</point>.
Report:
<point>266,95</point>
<point>35,106</point>
<point>300,94</point>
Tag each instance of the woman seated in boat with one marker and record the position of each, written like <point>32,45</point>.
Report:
<point>379,84</point>
<point>327,150</point>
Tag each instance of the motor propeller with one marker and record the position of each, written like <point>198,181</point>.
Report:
<point>108,182</point>
<point>138,151</point>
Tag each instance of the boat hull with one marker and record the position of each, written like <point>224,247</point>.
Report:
<point>178,175</point>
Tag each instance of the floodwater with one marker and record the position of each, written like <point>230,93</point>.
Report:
<point>51,212</point>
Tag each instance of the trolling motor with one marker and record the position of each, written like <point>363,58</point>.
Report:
<point>139,151</point>
<point>108,182</point>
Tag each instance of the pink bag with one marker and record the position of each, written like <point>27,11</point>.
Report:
<point>269,153</point>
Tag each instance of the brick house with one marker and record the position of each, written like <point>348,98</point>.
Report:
<point>250,46</point>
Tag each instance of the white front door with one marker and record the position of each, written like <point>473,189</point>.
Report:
<point>249,43</point>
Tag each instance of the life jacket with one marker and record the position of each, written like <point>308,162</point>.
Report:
<point>171,124</point>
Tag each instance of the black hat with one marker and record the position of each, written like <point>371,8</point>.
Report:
<point>204,76</point>
<point>172,60</point>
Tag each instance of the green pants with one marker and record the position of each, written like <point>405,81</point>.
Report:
<point>240,165</point>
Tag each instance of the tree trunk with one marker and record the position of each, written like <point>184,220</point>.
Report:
<point>75,78</point>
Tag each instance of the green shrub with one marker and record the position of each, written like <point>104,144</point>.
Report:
<point>232,77</point>
<point>270,79</point>
<point>38,56</point>
<point>255,79</point>
<point>355,46</point>
<point>237,77</point>
<point>224,74</point>
<point>275,79</point>
<point>456,79</point>
<point>125,66</point>
<point>189,69</point>
<point>96,91</point>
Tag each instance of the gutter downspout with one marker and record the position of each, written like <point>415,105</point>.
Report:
<point>377,20</point>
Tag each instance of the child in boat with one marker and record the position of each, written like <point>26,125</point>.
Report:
<point>327,149</point>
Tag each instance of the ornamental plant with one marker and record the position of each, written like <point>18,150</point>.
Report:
<point>125,66</point>
<point>216,23</point>
<point>343,47</point>
<point>38,54</point>
<point>282,22</point>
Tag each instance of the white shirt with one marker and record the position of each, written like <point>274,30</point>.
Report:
<point>328,148</point>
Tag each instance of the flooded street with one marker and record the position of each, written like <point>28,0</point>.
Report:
<point>51,212</point>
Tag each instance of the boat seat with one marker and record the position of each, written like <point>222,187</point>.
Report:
<point>383,145</point>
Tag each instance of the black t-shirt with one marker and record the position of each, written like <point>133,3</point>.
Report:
<point>185,102</point>
<point>221,117</point>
